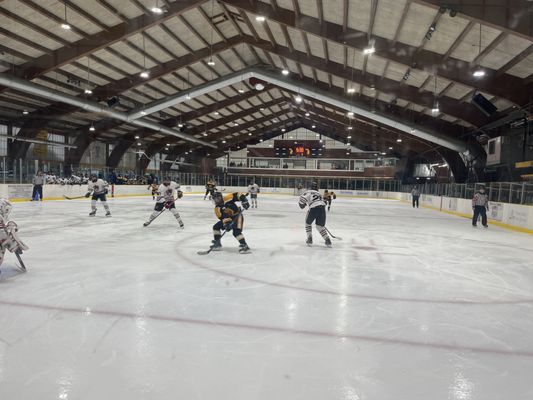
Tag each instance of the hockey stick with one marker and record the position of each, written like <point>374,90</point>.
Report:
<point>230,227</point>
<point>331,234</point>
<point>160,212</point>
<point>73,198</point>
<point>21,263</point>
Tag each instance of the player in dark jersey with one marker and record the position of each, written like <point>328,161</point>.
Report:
<point>210,188</point>
<point>230,218</point>
<point>329,197</point>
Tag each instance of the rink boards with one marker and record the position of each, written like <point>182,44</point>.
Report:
<point>512,216</point>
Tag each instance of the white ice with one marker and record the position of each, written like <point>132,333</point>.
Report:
<point>411,304</point>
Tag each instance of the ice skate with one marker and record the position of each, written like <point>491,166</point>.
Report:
<point>216,245</point>
<point>243,248</point>
<point>108,214</point>
<point>309,241</point>
<point>92,213</point>
<point>328,242</point>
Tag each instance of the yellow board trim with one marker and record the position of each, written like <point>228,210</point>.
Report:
<point>468,216</point>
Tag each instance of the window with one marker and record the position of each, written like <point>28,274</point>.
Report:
<point>492,146</point>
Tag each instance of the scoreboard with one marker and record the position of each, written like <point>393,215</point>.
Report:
<point>302,148</point>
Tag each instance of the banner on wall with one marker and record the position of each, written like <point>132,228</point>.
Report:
<point>41,150</point>
<point>518,217</point>
<point>19,191</point>
<point>496,211</point>
<point>452,205</point>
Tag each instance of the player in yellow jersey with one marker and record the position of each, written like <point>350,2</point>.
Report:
<point>153,187</point>
<point>230,218</point>
<point>329,197</point>
<point>210,188</point>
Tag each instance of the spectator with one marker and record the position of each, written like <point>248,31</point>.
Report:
<point>38,182</point>
<point>415,194</point>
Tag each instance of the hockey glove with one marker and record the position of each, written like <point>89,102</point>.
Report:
<point>334,196</point>
<point>245,204</point>
<point>227,223</point>
<point>87,194</point>
<point>180,194</point>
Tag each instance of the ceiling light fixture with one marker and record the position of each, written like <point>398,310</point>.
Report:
<point>92,128</point>
<point>350,128</point>
<point>139,144</point>
<point>399,140</point>
<point>65,25</point>
<point>479,72</point>
<point>369,50</point>
<point>351,90</point>
<point>156,9</point>
<point>285,71</point>
<point>314,126</point>
<point>211,62</point>
<point>260,18</point>
<point>350,114</point>
<point>307,114</point>
<point>144,74</point>
<point>25,112</point>
<point>298,99</point>
<point>137,137</point>
<point>88,91</point>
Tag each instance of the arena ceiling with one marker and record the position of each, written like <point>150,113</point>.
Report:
<point>410,60</point>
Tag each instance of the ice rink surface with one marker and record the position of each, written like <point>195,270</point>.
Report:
<point>412,304</point>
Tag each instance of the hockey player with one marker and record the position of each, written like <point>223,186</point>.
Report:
<point>153,187</point>
<point>165,199</point>
<point>210,188</point>
<point>253,189</point>
<point>316,213</point>
<point>329,197</point>
<point>230,218</point>
<point>98,188</point>
<point>9,239</point>
<point>480,206</point>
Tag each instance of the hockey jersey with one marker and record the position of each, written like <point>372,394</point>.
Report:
<point>166,193</point>
<point>480,199</point>
<point>99,187</point>
<point>253,189</point>
<point>311,198</point>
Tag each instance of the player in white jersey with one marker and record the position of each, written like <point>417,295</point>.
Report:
<point>9,239</point>
<point>253,189</point>
<point>316,213</point>
<point>165,199</point>
<point>98,188</point>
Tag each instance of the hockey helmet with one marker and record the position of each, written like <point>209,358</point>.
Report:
<point>314,186</point>
<point>5,208</point>
<point>217,198</point>
<point>93,178</point>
